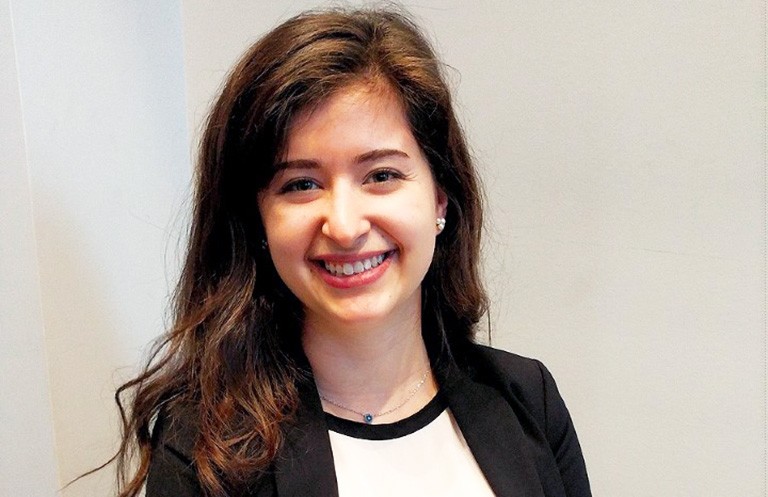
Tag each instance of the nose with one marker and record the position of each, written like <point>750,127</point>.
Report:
<point>345,221</point>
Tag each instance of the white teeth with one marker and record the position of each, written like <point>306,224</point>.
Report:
<point>357,267</point>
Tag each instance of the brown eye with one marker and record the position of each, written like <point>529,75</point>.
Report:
<point>383,175</point>
<point>299,185</point>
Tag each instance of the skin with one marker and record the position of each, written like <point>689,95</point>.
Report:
<point>354,185</point>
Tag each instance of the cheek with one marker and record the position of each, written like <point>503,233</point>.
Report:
<point>290,234</point>
<point>282,239</point>
<point>413,225</point>
<point>276,220</point>
<point>416,213</point>
<point>288,263</point>
<point>284,245</point>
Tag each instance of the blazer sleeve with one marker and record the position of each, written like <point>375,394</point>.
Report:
<point>561,435</point>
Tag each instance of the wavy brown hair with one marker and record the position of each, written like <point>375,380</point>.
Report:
<point>234,346</point>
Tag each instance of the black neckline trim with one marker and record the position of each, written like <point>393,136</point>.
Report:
<point>389,431</point>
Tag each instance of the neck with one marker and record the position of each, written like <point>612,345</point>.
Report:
<point>370,369</point>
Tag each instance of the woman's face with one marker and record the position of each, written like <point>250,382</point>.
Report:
<point>350,214</point>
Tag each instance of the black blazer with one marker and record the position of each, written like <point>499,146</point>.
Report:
<point>507,407</point>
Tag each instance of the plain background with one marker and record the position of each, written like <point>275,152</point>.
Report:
<point>622,146</point>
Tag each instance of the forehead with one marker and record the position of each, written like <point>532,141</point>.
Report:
<point>359,116</point>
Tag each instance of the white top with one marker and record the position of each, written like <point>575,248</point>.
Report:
<point>422,455</point>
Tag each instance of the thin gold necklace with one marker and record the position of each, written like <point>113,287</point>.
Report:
<point>368,416</point>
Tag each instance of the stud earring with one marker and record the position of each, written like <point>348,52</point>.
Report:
<point>440,223</point>
<point>264,244</point>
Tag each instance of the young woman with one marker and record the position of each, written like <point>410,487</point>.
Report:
<point>323,339</point>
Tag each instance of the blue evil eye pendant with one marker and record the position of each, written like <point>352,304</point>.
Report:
<point>368,418</point>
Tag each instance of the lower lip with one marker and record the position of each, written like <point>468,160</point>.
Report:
<point>357,279</point>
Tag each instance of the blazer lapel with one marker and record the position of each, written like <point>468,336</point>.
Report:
<point>304,466</point>
<point>494,435</point>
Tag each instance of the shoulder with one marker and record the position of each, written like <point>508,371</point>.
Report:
<point>529,387</point>
<point>171,468</point>
<point>177,429</point>
<point>522,380</point>
<point>504,364</point>
<point>523,375</point>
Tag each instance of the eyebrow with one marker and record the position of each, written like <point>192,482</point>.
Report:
<point>372,155</point>
<point>381,153</point>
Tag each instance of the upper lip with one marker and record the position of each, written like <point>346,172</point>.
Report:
<point>342,258</point>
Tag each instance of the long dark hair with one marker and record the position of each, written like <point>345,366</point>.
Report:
<point>232,350</point>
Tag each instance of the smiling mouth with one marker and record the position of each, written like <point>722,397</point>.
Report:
<point>352,268</point>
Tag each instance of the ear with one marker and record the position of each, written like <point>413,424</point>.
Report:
<point>442,202</point>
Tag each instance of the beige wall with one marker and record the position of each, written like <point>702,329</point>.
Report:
<point>28,464</point>
<point>622,147</point>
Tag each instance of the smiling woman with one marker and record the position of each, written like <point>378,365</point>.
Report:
<point>351,217</point>
<point>323,338</point>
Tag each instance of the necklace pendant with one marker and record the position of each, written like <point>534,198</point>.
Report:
<point>368,418</point>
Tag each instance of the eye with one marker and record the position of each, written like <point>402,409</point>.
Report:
<point>383,175</point>
<point>299,185</point>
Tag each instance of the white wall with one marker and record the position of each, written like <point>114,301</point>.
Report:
<point>622,146</point>
<point>107,167</point>
<point>622,149</point>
